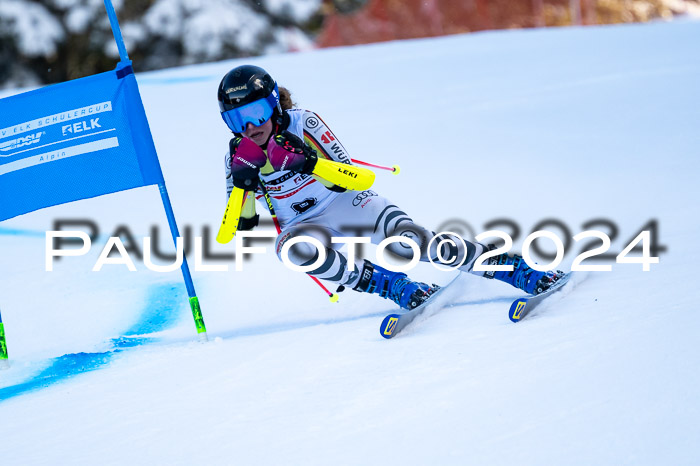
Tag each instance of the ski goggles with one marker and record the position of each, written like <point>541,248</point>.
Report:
<point>257,113</point>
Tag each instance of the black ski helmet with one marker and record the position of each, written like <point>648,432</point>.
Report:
<point>243,85</point>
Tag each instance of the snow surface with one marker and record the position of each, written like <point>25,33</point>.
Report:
<point>573,124</point>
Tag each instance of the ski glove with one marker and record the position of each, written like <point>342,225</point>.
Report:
<point>289,152</point>
<point>246,160</point>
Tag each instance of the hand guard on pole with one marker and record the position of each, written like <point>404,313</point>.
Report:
<point>246,160</point>
<point>287,151</point>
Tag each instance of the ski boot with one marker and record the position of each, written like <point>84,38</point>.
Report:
<point>395,286</point>
<point>523,276</point>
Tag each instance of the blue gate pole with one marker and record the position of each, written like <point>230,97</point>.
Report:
<point>4,363</point>
<point>194,301</point>
<point>116,31</point>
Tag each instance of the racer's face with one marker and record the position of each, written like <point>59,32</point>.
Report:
<point>259,134</point>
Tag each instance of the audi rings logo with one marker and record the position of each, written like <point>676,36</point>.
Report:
<point>362,196</point>
<point>312,122</point>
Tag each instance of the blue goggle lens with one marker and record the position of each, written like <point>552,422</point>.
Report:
<point>257,113</point>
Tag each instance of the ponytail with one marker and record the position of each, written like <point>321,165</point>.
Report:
<point>286,99</point>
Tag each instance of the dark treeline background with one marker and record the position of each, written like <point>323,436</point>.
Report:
<point>56,40</point>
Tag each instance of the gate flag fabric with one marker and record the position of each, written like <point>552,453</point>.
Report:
<point>77,140</point>
<point>74,140</point>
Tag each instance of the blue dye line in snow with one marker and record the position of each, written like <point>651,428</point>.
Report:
<point>18,232</point>
<point>176,80</point>
<point>160,313</point>
<point>42,234</point>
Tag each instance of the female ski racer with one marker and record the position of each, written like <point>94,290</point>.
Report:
<point>273,152</point>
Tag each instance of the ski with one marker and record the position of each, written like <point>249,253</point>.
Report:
<point>394,323</point>
<point>523,306</point>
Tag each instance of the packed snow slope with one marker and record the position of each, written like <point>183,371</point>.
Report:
<point>573,125</point>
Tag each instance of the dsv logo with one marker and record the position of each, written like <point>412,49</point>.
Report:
<point>362,196</point>
<point>19,142</point>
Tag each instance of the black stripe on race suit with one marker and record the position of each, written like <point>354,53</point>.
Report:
<point>450,248</point>
<point>341,270</point>
<point>328,264</point>
<point>455,250</point>
<point>390,217</point>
